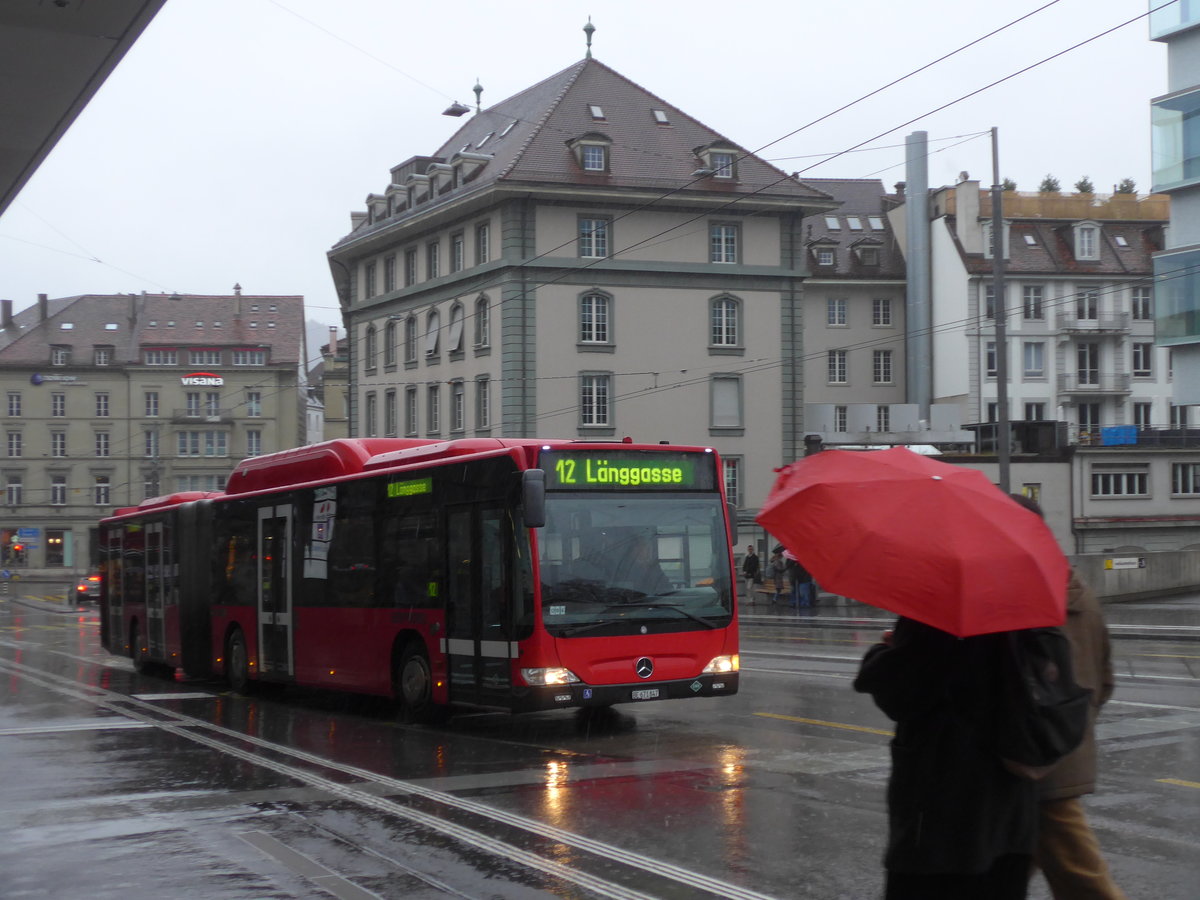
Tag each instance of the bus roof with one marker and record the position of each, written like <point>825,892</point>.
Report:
<point>351,456</point>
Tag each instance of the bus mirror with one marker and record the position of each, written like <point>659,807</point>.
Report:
<point>533,497</point>
<point>732,514</point>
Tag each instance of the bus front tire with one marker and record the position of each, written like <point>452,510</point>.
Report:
<point>237,663</point>
<point>414,686</point>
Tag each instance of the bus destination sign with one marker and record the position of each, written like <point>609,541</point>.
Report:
<point>618,470</point>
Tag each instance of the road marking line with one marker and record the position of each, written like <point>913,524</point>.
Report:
<point>842,725</point>
<point>1180,782</point>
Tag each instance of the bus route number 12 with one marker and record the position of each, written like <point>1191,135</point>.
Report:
<point>565,468</point>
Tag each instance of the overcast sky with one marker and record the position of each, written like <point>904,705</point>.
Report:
<point>235,138</point>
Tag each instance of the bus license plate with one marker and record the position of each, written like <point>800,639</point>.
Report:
<point>646,694</point>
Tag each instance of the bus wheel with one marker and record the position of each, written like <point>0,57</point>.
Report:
<point>237,662</point>
<point>139,654</point>
<point>413,685</point>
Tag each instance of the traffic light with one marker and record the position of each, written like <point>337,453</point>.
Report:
<point>17,548</point>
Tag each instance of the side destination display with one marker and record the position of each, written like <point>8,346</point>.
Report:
<point>620,470</point>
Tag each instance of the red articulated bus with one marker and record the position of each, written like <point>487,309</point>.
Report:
<point>513,574</point>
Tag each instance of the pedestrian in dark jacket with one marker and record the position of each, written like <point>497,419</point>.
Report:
<point>1067,850</point>
<point>750,571</point>
<point>959,824</point>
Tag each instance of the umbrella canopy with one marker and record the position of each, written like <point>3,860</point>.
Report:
<point>925,539</point>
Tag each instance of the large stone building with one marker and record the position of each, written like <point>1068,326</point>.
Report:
<point>109,400</point>
<point>584,260</point>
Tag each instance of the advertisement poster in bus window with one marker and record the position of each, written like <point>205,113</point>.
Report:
<point>316,550</point>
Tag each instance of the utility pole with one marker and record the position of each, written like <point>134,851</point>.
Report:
<point>1003,425</point>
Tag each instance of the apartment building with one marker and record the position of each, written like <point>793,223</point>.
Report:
<point>111,399</point>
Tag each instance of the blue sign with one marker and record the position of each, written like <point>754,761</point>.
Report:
<point>28,533</point>
<point>1118,435</point>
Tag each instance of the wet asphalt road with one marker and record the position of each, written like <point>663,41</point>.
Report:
<point>118,785</point>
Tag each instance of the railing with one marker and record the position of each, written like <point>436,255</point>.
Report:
<point>202,415</point>
<point>1073,383</point>
<point>1105,322</point>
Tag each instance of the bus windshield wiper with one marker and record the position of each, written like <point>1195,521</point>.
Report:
<point>650,604</point>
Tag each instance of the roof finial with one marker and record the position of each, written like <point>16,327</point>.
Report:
<point>478,89</point>
<point>588,29</point>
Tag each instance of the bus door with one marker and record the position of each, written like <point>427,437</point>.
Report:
<point>275,590</point>
<point>479,605</point>
<point>156,599</point>
<point>113,587</point>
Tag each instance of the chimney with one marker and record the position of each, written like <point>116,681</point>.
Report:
<point>43,307</point>
<point>5,314</point>
<point>900,185</point>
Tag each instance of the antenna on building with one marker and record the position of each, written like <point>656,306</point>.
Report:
<point>588,29</point>
<point>478,89</point>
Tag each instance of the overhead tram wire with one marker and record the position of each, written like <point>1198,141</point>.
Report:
<point>688,184</point>
<point>486,284</point>
<point>759,364</point>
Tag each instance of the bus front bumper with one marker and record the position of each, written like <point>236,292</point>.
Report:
<point>532,699</point>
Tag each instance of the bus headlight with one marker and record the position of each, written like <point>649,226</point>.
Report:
<point>722,664</point>
<point>556,675</point>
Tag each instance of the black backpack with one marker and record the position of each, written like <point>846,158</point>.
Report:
<point>1044,712</point>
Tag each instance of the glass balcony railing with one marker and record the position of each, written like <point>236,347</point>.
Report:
<point>1177,298</point>
<point>1175,140</point>
<point>1166,17</point>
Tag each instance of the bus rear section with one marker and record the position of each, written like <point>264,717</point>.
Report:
<point>636,597</point>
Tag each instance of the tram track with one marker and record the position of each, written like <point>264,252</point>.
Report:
<point>508,836</point>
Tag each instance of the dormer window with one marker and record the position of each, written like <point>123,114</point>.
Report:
<point>868,256</point>
<point>723,164</point>
<point>987,240</point>
<point>825,256</point>
<point>720,161</point>
<point>1087,241</point>
<point>60,356</point>
<point>592,152</point>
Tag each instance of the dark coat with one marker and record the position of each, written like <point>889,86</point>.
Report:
<point>750,566</point>
<point>952,807</point>
<point>1091,657</point>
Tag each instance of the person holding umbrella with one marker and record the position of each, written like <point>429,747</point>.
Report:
<point>962,565</point>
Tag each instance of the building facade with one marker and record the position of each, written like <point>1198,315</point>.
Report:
<point>1175,154</point>
<point>584,260</point>
<point>111,399</point>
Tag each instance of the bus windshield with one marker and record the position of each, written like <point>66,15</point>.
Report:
<point>634,559</point>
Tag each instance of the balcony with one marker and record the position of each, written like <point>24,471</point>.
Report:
<point>1105,323</point>
<point>201,416</point>
<point>1093,384</point>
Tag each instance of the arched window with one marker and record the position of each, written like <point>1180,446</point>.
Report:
<point>370,348</point>
<point>389,344</point>
<point>410,339</point>
<point>483,322</point>
<point>454,330</point>
<point>725,316</point>
<point>595,318</point>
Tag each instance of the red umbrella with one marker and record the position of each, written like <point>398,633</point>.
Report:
<point>925,539</point>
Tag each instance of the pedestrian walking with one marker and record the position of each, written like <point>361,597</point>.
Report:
<point>1067,850</point>
<point>751,571</point>
<point>802,583</point>
<point>959,824</point>
<point>776,569</point>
